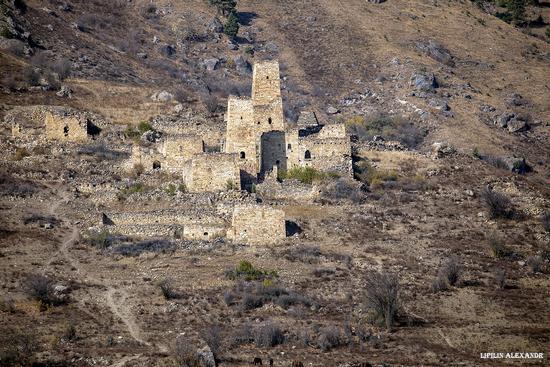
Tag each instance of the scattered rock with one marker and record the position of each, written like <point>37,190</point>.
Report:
<point>436,52</point>
<point>215,25</point>
<point>424,82</point>
<point>515,100</point>
<point>48,225</point>
<point>211,64</point>
<point>178,108</point>
<point>152,136</point>
<point>141,55</point>
<point>242,65</point>
<point>162,96</point>
<point>439,104</point>
<point>206,357</point>
<point>65,7</point>
<point>271,47</point>
<point>376,1</point>
<point>442,149</point>
<point>65,92</point>
<point>515,125</point>
<point>232,46</point>
<point>517,165</point>
<point>332,110</point>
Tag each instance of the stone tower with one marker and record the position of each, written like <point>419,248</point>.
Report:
<point>255,126</point>
<point>266,96</point>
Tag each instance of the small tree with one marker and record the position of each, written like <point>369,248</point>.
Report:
<point>517,8</point>
<point>382,296</point>
<point>224,6</point>
<point>231,27</point>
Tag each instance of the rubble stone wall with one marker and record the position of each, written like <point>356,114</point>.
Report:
<point>66,128</point>
<point>212,172</point>
<point>257,225</point>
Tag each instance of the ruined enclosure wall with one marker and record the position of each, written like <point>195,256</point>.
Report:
<point>273,145</point>
<point>258,225</point>
<point>65,128</point>
<point>325,154</point>
<point>212,172</point>
<point>166,224</point>
<point>148,157</point>
<point>178,149</point>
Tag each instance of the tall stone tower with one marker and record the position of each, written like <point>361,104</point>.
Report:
<point>255,126</point>
<point>266,96</point>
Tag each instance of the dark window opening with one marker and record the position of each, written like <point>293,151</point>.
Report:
<point>66,130</point>
<point>307,155</point>
<point>156,165</point>
<point>267,77</point>
<point>269,120</point>
<point>241,117</point>
<point>243,155</point>
<point>277,162</point>
<point>205,233</point>
<point>289,146</point>
<point>258,122</point>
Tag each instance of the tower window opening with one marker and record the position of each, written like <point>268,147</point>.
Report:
<point>267,77</point>
<point>269,121</point>
<point>289,146</point>
<point>243,155</point>
<point>307,155</point>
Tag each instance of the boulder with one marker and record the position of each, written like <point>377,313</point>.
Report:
<point>332,110</point>
<point>141,55</point>
<point>515,125</point>
<point>162,96</point>
<point>206,357</point>
<point>424,81</point>
<point>215,25</point>
<point>271,47</point>
<point>442,149</point>
<point>515,99</point>
<point>517,165</point>
<point>376,1</point>
<point>436,52</point>
<point>242,65</point>
<point>211,64</point>
<point>439,104</point>
<point>65,92</point>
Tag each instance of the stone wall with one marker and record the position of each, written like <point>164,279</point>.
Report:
<point>66,128</point>
<point>212,172</point>
<point>165,224</point>
<point>257,225</point>
<point>177,149</point>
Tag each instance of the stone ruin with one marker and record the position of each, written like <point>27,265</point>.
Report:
<point>55,123</point>
<point>256,142</point>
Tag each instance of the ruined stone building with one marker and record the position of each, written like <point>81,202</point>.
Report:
<point>257,133</point>
<point>57,123</point>
<point>257,141</point>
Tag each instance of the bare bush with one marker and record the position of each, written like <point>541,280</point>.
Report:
<point>242,335</point>
<point>500,278</point>
<point>31,76</point>
<point>329,338</point>
<point>41,288</point>
<point>268,335</point>
<point>498,248</point>
<point>451,270</point>
<point>185,352</point>
<point>210,102</point>
<point>439,284</point>
<point>167,289</point>
<point>498,205</point>
<point>212,336</point>
<point>545,220</point>
<point>303,253</point>
<point>382,296</point>
<point>62,67</point>
<point>535,263</point>
<point>17,347</point>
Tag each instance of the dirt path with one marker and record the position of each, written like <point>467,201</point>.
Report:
<point>116,299</point>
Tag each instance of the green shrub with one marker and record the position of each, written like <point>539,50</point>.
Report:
<point>245,270</point>
<point>131,133</point>
<point>170,190</point>
<point>101,239</point>
<point>230,185</point>
<point>143,127</point>
<point>389,127</point>
<point>231,27</point>
<point>127,191</point>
